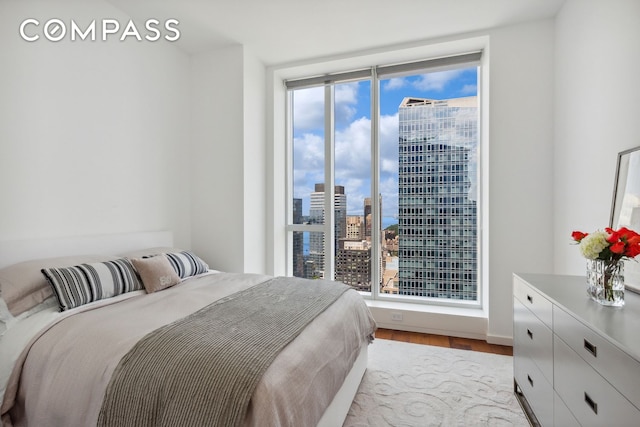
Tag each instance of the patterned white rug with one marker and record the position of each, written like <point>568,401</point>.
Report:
<point>421,385</point>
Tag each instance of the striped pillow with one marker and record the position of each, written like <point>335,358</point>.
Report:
<point>85,283</point>
<point>187,263</point>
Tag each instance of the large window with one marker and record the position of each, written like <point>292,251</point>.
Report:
<point>384,179</point>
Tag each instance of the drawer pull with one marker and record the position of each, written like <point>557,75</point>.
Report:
<point>531,382</point>
<point>530,333</point>
<point>591,348</point>
<point>530,299</point>
<point>593,405</point>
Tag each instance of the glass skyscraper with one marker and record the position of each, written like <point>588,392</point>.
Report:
<point>438,243</point>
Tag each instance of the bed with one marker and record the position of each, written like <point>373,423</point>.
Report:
<point>170,341</point>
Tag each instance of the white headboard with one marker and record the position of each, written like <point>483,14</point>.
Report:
<point>13,251</point>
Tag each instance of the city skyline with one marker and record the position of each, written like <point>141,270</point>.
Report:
<point>427,159</point>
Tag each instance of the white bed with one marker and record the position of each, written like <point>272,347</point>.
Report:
<point>25,402</point>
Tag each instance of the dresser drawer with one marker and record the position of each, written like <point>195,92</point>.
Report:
<point>620,369</point>
<point>535,388</point>
<point>562,417</point>
<point>589,397</point>
<point>533,300</point>
<point>533,339</point>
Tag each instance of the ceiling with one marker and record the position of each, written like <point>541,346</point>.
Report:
<point>284,31</point>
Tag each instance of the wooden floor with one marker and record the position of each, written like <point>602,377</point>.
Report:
<point>444,341</point>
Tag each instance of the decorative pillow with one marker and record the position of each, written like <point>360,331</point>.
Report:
<point>187,263</point>
<point>23,286</point>
<point>85,283</point>
<point>156,273</point>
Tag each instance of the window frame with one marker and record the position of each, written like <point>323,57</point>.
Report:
<point>282,228</point>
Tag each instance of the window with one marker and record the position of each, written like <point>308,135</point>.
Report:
<point>384,179</point>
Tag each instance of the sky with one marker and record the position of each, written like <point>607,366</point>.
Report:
<point>353,134</point>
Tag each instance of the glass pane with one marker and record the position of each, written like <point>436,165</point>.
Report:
<point>308,254</point>
<point>353,184</point>
<point>308,152</point>
<point>428,179</point>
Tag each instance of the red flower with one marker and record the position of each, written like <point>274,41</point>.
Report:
<point>632,251</point>
<point>617,248</point>
<point>622,234</point>
<point>633,246</point>
<point>578,235</point>
<point>634,240</point>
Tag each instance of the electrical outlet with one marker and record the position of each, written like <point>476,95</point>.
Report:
<point>396,316</point>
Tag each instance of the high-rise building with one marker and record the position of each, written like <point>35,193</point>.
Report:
<point>354,227</point>
<point>367,217</point>
<point>353,263</point>
<point>316,216</point>
<point>438,141</point>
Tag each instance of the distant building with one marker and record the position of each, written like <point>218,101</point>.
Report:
<point>390,276</point>
<point>316,214</point>
<point>437,198</point>
<point>355,227</point>
<point>367,217</point>
<point>353,263</point>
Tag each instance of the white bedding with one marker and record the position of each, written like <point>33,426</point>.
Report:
<point>323,354</point>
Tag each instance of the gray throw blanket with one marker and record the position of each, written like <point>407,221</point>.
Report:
<point>202,370</point>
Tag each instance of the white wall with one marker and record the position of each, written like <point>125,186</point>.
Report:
<point>94,136</point>
<point>255,150</point>
<point>521,164</point>
<point>597,112</point>
<point>228,165</point>
<point>114,137</point>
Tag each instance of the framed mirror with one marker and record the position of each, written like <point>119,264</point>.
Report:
<point>625,207</point>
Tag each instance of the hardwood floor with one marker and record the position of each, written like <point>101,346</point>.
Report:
<point>444,341</point>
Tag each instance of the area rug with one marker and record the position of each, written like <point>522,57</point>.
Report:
<point>420,385</point>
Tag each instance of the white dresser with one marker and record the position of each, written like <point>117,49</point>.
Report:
<point>575,362</point>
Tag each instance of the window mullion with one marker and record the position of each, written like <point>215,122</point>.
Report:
<point>329,183</point>
<point>289,181</point>
<point>376,244</point>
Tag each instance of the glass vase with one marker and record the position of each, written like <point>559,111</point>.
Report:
<point>605,282</point>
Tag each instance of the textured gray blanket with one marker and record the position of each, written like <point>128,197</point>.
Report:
<point>203,369</point>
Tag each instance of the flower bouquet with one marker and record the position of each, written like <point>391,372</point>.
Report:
<point>605,252</point>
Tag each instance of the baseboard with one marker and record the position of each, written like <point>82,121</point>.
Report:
<point>500,340</point>
<point>422,330</point>
<point>450,321</point>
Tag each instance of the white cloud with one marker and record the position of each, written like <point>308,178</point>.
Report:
<point>389,144</point>
<point>308,106</point>
<point>345,100</point>
<point>469,90</point>
<point>436,81</point>
<point>353,150</point>
<point>308,164</point>
<point>389,192</point>
<point>353,163</point>
<point>394,83</point>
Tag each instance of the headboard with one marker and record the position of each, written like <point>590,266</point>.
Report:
<point>13,251</point>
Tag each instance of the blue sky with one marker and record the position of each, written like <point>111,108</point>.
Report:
<point>353,130</point>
